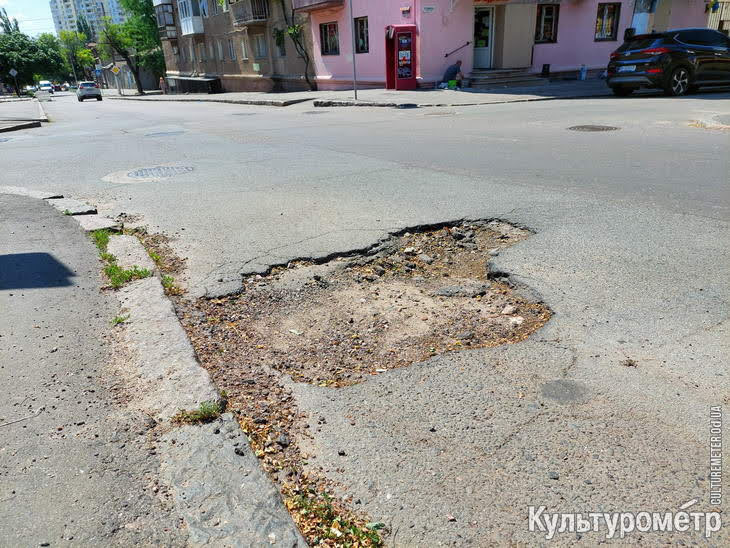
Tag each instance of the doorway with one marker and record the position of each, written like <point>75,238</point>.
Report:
<point>483,37</point>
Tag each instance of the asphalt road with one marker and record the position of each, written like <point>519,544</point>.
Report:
<point>76,466</point>
<point>630,251</point>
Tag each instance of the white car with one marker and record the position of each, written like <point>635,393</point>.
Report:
<point>88,90</point>
<point>45,85</point>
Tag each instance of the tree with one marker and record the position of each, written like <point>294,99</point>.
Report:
<point>83,27</point>
<point>56,64</point>
<point>7,25</point>
<point>295,31</point>
<point>73,42</point>
<point>115,39</point>
<point>141,27</point>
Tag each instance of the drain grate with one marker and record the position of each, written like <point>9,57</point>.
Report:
<point>593,128</point>
<point>164,133</point>
<point>159,172</point>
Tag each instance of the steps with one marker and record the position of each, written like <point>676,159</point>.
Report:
<point>501,78</point>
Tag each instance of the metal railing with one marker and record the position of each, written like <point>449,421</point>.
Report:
<point>457,49</point>
<point>245,12</point>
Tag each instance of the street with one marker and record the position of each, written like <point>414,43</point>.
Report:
<point>627,244</point>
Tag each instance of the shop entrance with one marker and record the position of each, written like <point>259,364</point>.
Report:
<point>483,37</point>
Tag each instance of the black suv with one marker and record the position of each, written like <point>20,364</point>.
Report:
<point>676,61</point>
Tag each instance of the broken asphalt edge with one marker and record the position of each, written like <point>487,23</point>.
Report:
<point>383,244</point>
<point>218,486</point>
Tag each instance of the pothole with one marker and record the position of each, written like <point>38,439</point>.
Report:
<point>590,128</point>
<point>338,323</point>
<point>159,172</point>
<point>415,296</point>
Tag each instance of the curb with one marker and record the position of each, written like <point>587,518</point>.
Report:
<point>42,116</point>
<point>19,126</point>
<point>219,489</point>
<point>352,103</point>
<point>262,102</point>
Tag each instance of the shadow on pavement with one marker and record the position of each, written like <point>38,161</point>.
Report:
<point>32,270</point>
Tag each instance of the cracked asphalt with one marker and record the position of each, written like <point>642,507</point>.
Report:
<point>630,252</point>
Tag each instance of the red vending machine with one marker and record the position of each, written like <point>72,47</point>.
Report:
<point>400,57</point>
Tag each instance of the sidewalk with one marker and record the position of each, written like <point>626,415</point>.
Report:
<point>21,114</point>
<point>397,99</point>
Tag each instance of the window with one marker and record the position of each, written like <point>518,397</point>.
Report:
<point>329,39</point>
<point>225,6</point>
<point>547,23</point>
<point>192,52</point>
<point>214,7</point>
<point>211,51</point>
<point>702,38</point>
<point>281,46</point>
<point>607,21</point>
<point>204,8</point>
<point>231,50</point>
<point>201,53</point>
<point>259,46</point>
<point>244,50</point>
<point>362,39</point>
<point>184,9</point>
<point>220,50</point>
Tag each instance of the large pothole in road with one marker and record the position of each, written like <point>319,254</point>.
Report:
<point>338,323</point>
<point>421,294</point>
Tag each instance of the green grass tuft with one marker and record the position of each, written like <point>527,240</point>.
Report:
<point>119,319</point>
<point>119,276</point>
<point>207,412</point>
<point>101,239</point>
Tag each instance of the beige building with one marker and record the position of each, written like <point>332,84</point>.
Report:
<point>230,46</point>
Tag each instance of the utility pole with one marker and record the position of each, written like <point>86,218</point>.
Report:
<point>354,48</point>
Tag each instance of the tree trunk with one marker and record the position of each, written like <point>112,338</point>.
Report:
<point>135,73</point>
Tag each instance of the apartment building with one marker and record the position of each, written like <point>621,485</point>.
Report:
<point>229,46</point>
<point>66,13</point>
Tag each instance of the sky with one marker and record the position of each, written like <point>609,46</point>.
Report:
<point>34,16</point>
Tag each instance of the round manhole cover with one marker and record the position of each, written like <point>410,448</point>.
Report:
<point>158,172</point>
<point>593,128</point>
<point>164,134</point>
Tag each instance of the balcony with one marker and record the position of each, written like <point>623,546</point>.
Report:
<point>191,21</point>
<point>311,5</point>
<point>165,19</point>
<point>249,12</point>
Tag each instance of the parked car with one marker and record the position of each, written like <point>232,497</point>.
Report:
<point>57,87</point>
<point>65,86</point>
<point>88,90</point>
<point>45,85</point>
<point>677,61</point>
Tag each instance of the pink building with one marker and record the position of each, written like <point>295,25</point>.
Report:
<point>484,34</point>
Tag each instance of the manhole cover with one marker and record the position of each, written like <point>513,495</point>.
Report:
<point>164,133</point>
<point>593,128</point>
<point>158,172</point>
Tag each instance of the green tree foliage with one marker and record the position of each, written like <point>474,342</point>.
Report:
<point>114,39</point>
<point>30,57</point>
<point>83,27</point>
<point>57,66</point>
<point>73,43</point>
<point>7,25</point>
<point>295,31</point>
<point>141,27</point>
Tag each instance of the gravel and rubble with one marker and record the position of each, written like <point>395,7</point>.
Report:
<point>420,294</point>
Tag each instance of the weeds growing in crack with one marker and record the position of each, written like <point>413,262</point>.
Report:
<point>117,320</point>
<point>119,276</point>
<point>101,239</point>
<point>207,412</point>
<point>171,288</point>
